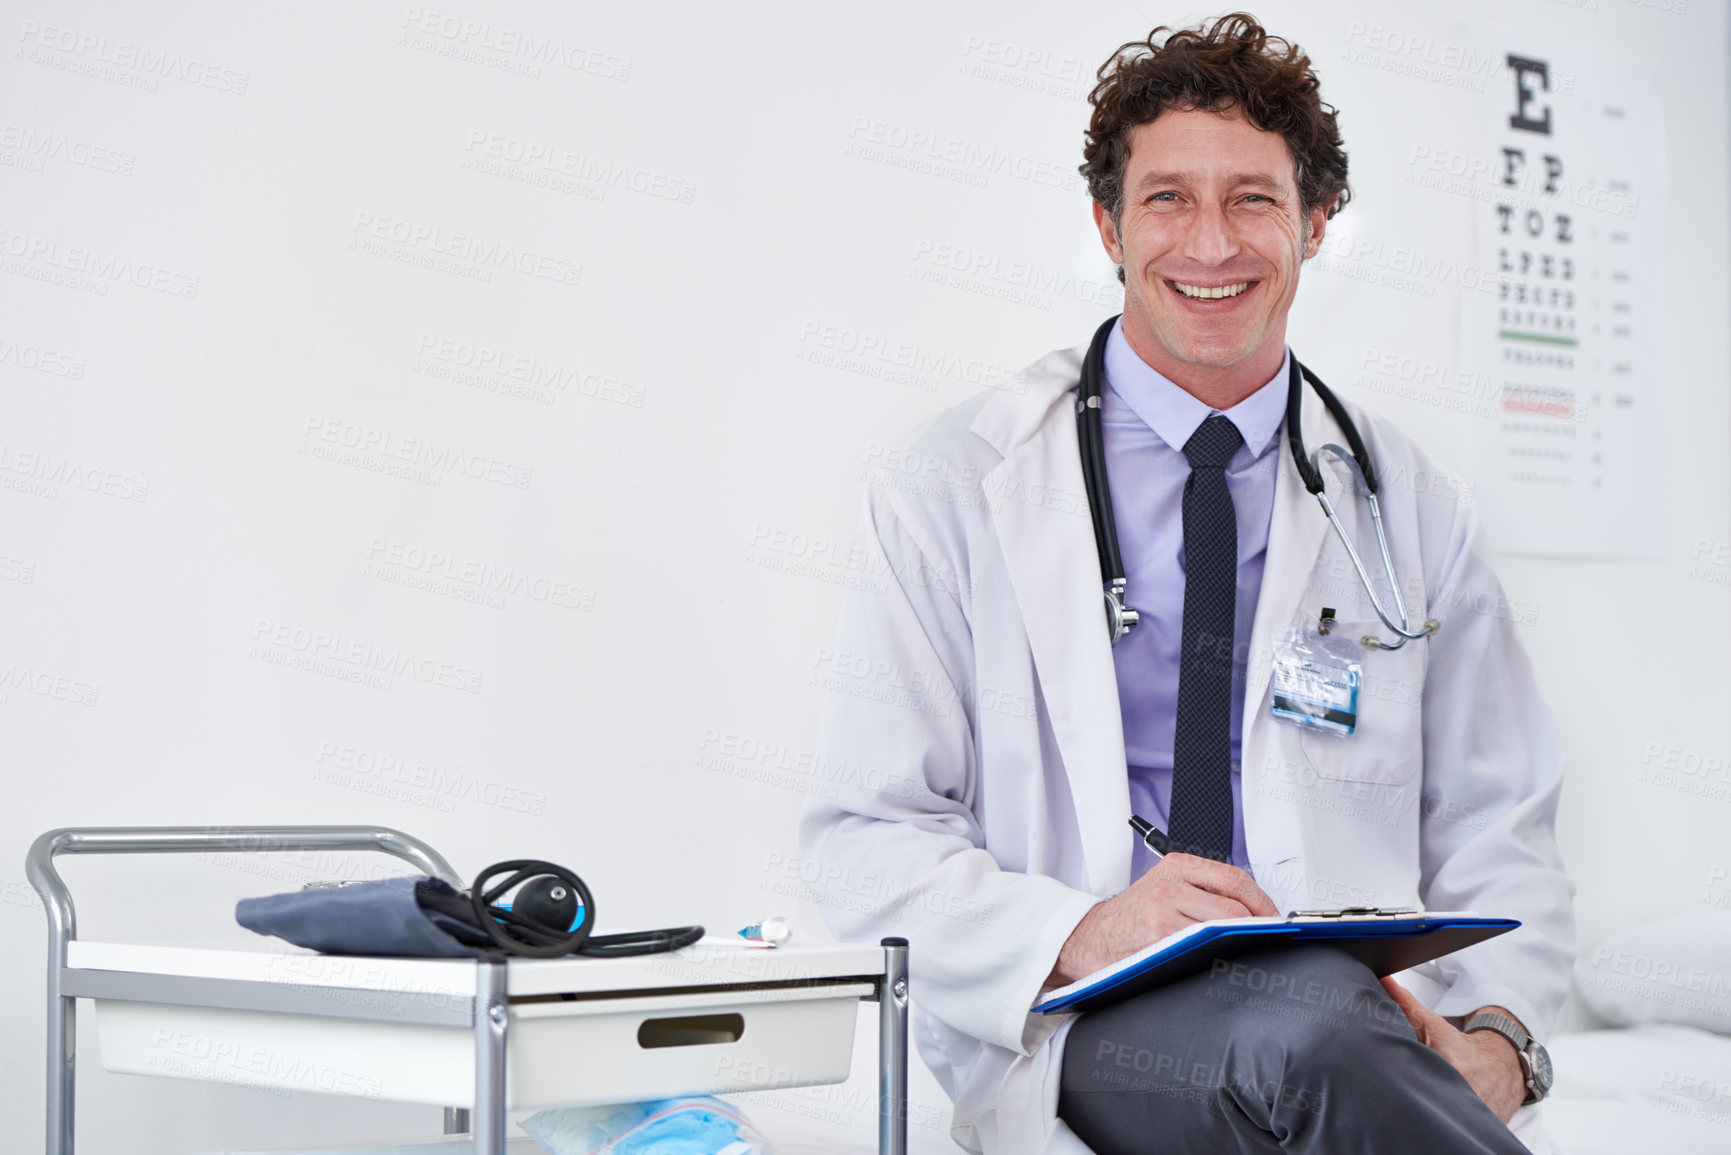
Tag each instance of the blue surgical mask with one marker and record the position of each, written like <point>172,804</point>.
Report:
<point>689,1125</point>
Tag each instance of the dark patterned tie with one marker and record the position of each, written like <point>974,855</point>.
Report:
<point>1201,813</point>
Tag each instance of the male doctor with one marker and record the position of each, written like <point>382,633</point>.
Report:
<point>1010,738</point>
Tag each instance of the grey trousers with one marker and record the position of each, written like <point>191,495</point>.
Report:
<point>1297,1048</point>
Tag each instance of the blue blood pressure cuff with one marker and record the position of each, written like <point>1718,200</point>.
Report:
<point>414,916</point>
<point>550,915</point>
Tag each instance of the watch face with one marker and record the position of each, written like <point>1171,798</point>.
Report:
<point>1541,1061</point>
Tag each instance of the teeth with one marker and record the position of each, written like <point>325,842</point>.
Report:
<point>1211,294</point>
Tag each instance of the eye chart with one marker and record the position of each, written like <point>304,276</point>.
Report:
<point>1564,325</point>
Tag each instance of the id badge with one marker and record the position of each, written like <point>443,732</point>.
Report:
<point>1315,683</point>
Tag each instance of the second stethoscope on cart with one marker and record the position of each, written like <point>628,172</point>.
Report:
<point>1120,618</point>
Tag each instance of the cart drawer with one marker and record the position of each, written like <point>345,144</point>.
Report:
<point>559,1053</point>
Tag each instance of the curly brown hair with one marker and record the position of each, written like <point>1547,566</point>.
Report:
<point>1233,65</point>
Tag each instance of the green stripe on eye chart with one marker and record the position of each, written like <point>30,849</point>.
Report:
<point>1536,338</point>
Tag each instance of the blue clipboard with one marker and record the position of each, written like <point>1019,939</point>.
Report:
<point>1386,943</point>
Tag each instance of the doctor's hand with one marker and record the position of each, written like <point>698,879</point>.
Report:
<point>1178,890</point>
<point>1486,1058</point>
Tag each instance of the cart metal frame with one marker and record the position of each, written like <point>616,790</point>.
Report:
<point>485,1013</point>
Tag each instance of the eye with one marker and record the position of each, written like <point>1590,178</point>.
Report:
<point>1166,197</point>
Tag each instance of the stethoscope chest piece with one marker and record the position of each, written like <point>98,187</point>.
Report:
<point>1120,618</point>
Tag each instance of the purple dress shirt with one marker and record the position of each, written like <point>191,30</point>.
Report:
<point>1147,419</point>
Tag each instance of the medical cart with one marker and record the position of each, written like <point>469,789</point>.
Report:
<point>476,1036</point>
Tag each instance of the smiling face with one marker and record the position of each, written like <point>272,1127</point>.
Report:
<point>1211,235</point>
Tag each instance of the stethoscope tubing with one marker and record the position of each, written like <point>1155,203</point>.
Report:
<point>515,934</point>
<point>1091,444</point>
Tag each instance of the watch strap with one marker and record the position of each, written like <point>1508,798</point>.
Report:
<point>1503,1025</point>
<point>1518,1038</point>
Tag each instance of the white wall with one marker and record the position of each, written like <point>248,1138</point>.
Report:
<point>684,528</point>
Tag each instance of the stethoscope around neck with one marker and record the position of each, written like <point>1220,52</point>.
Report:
<point>1120,617</point>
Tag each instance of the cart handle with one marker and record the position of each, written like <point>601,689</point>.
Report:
<point>57,900</point>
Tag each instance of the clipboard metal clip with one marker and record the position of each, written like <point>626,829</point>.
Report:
<point>1358,912</point>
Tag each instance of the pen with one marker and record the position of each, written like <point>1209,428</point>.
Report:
<point>1151,835</point>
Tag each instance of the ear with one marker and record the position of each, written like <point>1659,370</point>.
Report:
<point>1315,223</point>
<point>1108,233</point>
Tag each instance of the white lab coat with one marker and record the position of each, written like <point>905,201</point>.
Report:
<point>975,796</point>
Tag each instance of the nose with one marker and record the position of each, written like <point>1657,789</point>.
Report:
<point>1210,240</point>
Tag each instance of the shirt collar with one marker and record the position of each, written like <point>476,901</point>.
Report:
<point>1174,415</point>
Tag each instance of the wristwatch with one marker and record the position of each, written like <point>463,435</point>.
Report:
<point>1535,1060</point>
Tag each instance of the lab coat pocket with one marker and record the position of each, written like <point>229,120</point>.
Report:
<point>1387,744</point>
